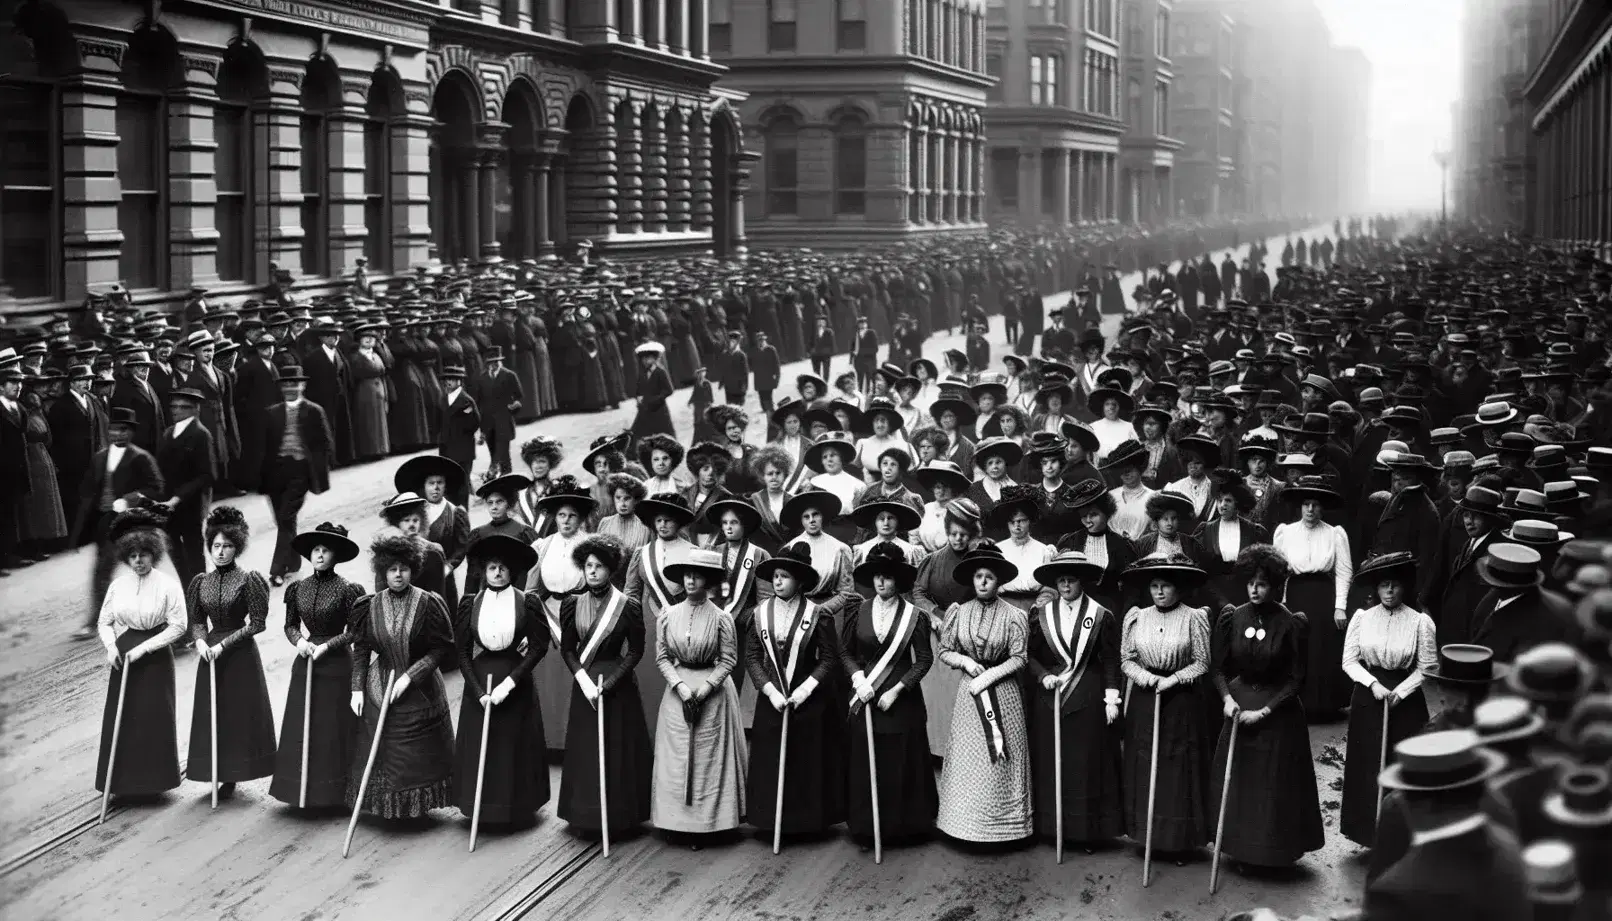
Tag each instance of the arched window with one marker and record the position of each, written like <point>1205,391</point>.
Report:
<point>242,80</point>
<point>38,52</point>
<point>151,69</point>
<point>384,105</point>
<point>850,164</point>
<point>781,155</point>
<point>321,97</point>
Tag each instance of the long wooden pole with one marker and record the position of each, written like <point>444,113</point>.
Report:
<point>778,804</point>
<point>1382,759</point>
<point>481,761</point>
<point>212,719</point>
<point>604,801</point>
<point>117,728</point>
<point>1220,823</point>
<point>873,786</point>
<point>369,765</point>
<point>307,727</point>
<point>1057,766</point>
<point>1152,792</point>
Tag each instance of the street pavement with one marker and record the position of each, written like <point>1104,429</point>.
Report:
<point>255,858</point>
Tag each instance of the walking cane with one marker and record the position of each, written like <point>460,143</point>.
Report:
<point>873,787</point>
<point>604,802</point>
<point>307,728</point>
<point>1152,792</point>
<point>212,719</point>
<point>481,762</point>
<point>1220,823</point>
<point>778,804</point>
<point>1382,759</point>
<point>1057,765</point>
<point>369,765</point>
<point>112,753</point>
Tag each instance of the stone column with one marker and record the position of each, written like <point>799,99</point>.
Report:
<point>655,172</point>
<point>630,170</point>
<point>1060,187</point>
<point>979,180</point>
<point>700,144</point>
<point>277,129</point>
<point>90,188</point>
<point>922,190</point>
<point>1029,185</point>
<point>657,10</point>
<point>679,177</point>
<point>410,185</point>
<point>594,23</point>
<point>1080,187</point>
<point>740,186</point>
<point>633,29</point>
<point>192,189</point>
<point>1114,187</point>
<point>699,15</point>
<point>488,159</point>
<point>937,175</point>
<point>679,40</point>
<point>954,146</point>
<point>546,160</point>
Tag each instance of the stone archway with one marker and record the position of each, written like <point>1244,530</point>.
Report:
<point>518,199</point>
<point>725,230</point>
<point>575,178</point>
<point>454,224</point>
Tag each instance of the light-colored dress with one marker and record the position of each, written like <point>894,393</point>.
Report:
<point>1111,433</point>
<point>931,531</point>
<point>1130,511</point>
<point>554,578</point>
<point>985,785</point>
<point>700,769</point>
<point>1022,591</point>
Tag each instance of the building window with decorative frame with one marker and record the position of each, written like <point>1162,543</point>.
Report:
<point>781,17</point>
<point>32,262</point>
<point>381,109</point>
<point>850,165</point>
<point>781,161</point>
<point>151,70</point>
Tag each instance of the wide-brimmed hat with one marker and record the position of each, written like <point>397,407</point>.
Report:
<point>1312,487</point>
<point>907,517</point>
<point>1415,463</point>
<point>1506,718</point>
<point>1079,495</point>
<point>843,442</point>
<point>513,552</point>
<point>1129,452</point>
<point>1466,664</point>
<point>749,515</point>
<point>1006,448</point>
<point>1532,533</point>
<point>605,444</point>
<point>292,374</point>
<point>697,560</point>
<point>1442,760</point>
<point>883,406</point>
<point>802,379</point>
<point>964,411</point>
<point>993,384</point>
<point>1069,563</point>
<point>821,499</point>
<point>1016,498</point>
<point>1054,386</point>
<point>1046,444</point>
<point>567,490</point>
<point>1551,673</point>
<point>942,471</point>
<point>1101,395</point>
<point>1159,412</point>
<point>789,406</point>
<point>415,471</point>
<point>671,504</point>
<point>1480,500</point>
<point>1582,798</point>
<point>1511,566</point>
<point>1316,426</point>
<point>1253,444</point>
<point>1169,499</point>
<point>1205,447</point>
<point>1176,567</point>
<point>1081,434</point>
<point>926,364</point>
<point>333,536</point>
<point>1400,565</point>
<point>402,504</point>
<point>886,559</point>
<point>509,486</point>
<point>795,559</point>
<point>985,555</point>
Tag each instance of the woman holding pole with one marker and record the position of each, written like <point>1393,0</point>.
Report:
<point>399,635</point>
<point>1074,659</point>
<point>509,773</point>
<point>144,612</point>
<point>228,608</point>
<point>886,650</point>
<point>1164,651</point>
<point>316,711</point>
<point>602,642</point>
<point>1269,812</point>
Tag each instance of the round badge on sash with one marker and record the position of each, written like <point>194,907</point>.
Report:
<point>1086,624</point>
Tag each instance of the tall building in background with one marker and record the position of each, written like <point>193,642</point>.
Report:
<point>1492,153</point>
<point>868,115</point>
<point>1147,150</point>
<point>1258,84</point>
<point>1201,99</point>
<point>1056,112</point>
<point>1569,103</point>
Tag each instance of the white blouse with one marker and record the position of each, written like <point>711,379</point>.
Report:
<point>497,621</point>
<point>433,511</point>
<point>1231,538</point>
<point>1111,433</point>
<point>869,449</point>
<point>1130,514</point>
<point>143,603</point>
<point>1196,490</point>
<point>1318,549</point>
<point>884,615</point>
<point>1027,556</point>
<point>1379,638</point>
<point>931,531</point>
<point>841,484</point>
<point>555,571</point>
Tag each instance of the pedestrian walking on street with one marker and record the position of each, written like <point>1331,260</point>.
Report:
<point>461,423</point>
<point>299,452</point>
<point>119,477</point>
<point>189,469</point>
<point>654,417</point>
<point>498,396</point>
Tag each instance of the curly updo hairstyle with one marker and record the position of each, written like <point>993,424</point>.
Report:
<point>393,546</point>
<point>632,485</point>
<point>608,549</point>
<point>542,446</point>
<point>721,414</point>
<point>228,521</point>
<point>139,531</point>
<point>1262,560</point>
<point>771,456</point>
<point>648,446</point>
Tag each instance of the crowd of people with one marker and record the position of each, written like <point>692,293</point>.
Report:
<point>1376,487</point>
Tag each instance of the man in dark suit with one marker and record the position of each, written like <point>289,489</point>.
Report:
<point>134,391</point>
<point>296,461</point>
<point>461,421</point>
<point>864,355</point>
<point>15,482</point>
<point>256,389</point>
<point>734,373</point>
<point>1454,587</point>
<point>768,371</point>
<point>498,395</point>
<point>822,347</point>
<point>329,384</point>
<point>117,478</point>
<point>75,434</point>
<point>207,380</point>
<point>1520,613</point>
<point>188,466</point>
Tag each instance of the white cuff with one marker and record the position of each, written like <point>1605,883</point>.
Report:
<point>807,687</point>
<point>767,689</point>
<point>1111,697</point>
<point>857,678</point>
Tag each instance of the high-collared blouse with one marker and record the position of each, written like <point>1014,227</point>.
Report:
<point>1319,549</point>
<point>143,603</point>
<point>318,606</point>
<point>695,636</point>
<point>556,574</point>
<point>1026,556</point>
<point>1398,639</point>
<point>626,528</point>
<point>228,598</point>
<point>993,633</point>
<point>1173,642</point>
<point>1130,511</point>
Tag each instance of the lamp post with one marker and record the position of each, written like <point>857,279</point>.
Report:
<point>1442,158</point>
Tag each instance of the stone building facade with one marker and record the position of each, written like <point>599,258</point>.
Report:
<point>867,115</point>
<point>1147,151</point>
<point>199,144</point>
<point>1569,92</point>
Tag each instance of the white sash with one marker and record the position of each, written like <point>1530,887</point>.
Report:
<point>906,623</point>
<point>743,580</point>
<point>605,624</point>
<point>764,627</point>
<point>653,575</point>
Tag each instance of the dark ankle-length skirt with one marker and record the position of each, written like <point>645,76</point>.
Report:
<point>245,716</point>
<point>1273,812</point>
<point>908,797</point>
<point>413,771</point>
<point>148,740</point>
<point>332,733</point>
<point>1091,772</point>
<point>516,780</point>
<point>628,761</point>
<point>1326,687</point>
<point>1358,817</point>
<point>814,766</point>
<point>1181,808</point>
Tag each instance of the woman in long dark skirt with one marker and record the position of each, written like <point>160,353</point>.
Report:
<point>1075,660</point>
<point>316,610</point>
<point>1387,648</point>
<point>142,615</point>
<point>500,620</point>
<point>1318,553</point>
<point>602,641</point>
<point>1273,813</point>
<point>369,397</point>
<point>228,608</point>
<point>793,661</point>
<point>885,648</point>
<point>1164,651</point>
<point>401,633</point>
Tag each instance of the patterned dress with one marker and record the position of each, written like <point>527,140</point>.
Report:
<point>316,609</point>
<point>985,785</point>
<point>700,765</point>
<point>1159,643</point>
<point>228,608</point>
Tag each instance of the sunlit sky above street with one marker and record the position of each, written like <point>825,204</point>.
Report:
<point>1414,49</point>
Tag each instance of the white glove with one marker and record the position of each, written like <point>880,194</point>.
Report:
<point>502,692</point>
<point>357,703</point>
<point>112,657</point>
<point>305,648</point>
<point>1054,682</point>
<point>803,692</point>
<point>1111,712</point>
<point>401,687</point>
<point>776,698</point>
<point>319,650</point>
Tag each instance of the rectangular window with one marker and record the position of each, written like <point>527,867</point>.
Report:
<point>721,34</point>
<point>377,172</point>
<point>315,169</point>
<point>29,234</point>
<point>1005,176</point>
<point>851,173</point>
<point>782,174</point>
<point>1044,80</point>
<point>142,145</point>
<point>232,168</point>
<point>781,25</point>
<point>853,26</point>
<point>993,67</point>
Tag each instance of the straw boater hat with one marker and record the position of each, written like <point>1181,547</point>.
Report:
<point>1536,534</point>
<point>513,552</point>
<point>942,471</point>
<point>332,536</point>
<point>650,348</point>
<point>708,562</point>
<point>671,504</point>
<point>1551,673</point>
<point>1511,566</point>
<point>1506,718</point>
<point>985,555</point>
<point>1399,565</point>
<point>1467,665</point>
<point>820,499</point>
<point>1175,567</point>
<point>749,515</point>
<point>886,559</point>
<point>1069,563</point>
<point>795,559</point>
<point>1582,799</point>
<point>1444,760</point>
<point>415,471</point>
